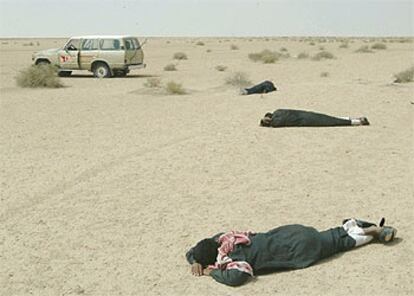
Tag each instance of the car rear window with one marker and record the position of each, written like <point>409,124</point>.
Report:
<point>110,44</point>
<point>90,44</point>
<point>131,44</point>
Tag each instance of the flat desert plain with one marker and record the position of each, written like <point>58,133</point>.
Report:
<point>106,183</point>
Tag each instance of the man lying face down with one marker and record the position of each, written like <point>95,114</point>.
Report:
<point>233,258</point>
<point>292,118</point>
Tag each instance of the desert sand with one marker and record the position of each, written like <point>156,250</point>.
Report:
<point>105,184</point>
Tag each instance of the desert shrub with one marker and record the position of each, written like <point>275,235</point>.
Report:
<point>312,43</point>
<point>379,46</point>
<point>265,56</point>
<point>234,47</point>
<point>200,43</point>
<point>153,82</point>
<point>364,49</point>
<point>323,55</point>
<point>221,68</point>
<point>324,74</point>
<point>170,67</point>
<point>180,56</point>
<point>321,48</point>
<point>174,88</point>
<point>208,50</point>
<point>405,76</point>
<point>344,45</point>
<point>238,79</point>
<point>303,55</point>
<point>39,76</point>
<point>283,49</point>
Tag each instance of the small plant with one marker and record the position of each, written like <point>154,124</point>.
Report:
<point>324,74</point>
<point>380,46</point>
<point>170,67</point>
<point>40,76</point>
<point>344,45</point>
<point>234,47</point>
<point>221,68</point>
<point>180,56</point>
<point>174,88</point>
<point>238,79</point>
<point>153,82</point>
<point>208,50</point>
<point>321,48</point>
<point>200,43</point>
<point>303,55</point>
<point>323,55</point>
<point>283,49</point>
<point>405,76</point>
<point>364,49</point>
<point>312,43</point>
<point>265,56</point>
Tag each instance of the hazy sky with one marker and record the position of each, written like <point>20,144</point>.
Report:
<point>207,17</point>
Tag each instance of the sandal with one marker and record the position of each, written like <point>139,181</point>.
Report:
<point>387,234</point>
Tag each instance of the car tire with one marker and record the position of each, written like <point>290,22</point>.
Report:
<point>64,73</point>
<point>101,70</point>
<point>42,63</point>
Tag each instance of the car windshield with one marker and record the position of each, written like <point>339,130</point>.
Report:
<point>73,44</point>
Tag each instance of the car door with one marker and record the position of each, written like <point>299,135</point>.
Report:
<point>68,56</point>
<point>133,52</point>
<point>88,52</point>
<point>112,52</point>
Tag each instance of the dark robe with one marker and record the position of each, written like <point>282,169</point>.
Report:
<point>288,117</point>
<point>283,248</point>
<point>261,88</point>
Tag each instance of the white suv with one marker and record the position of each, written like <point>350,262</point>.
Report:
<point>105,56</point>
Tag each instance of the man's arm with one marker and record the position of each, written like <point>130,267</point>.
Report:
<point>231,277</point>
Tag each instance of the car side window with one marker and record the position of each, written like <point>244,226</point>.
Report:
<point>110,44</point>
<point>90,44</point>
<point>73,44</point>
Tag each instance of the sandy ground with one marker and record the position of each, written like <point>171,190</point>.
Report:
<point>105,184</point>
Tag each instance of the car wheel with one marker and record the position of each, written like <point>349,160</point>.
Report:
<point>64,73</point>
<point>101,70</point>
<point>42,63</point>
<point>120,73</point>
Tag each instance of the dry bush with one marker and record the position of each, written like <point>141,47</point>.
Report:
<point>312,43</point>
<point>324,74</point>
<point>200,43</point>
<point>153,82</point>
<point>265,56</point>
<point>39,76</point>
<point>208,50</point>
<point>234,47</point>
<point>283,49</point>
<point>323,55</point>
<point>180,56</point>
<point>364,49</point>
<point>221,68</point>
<point>174,88</point>
<point>170,67</point>
<point>344,45</point>
<point>238,79</point>
<point>321,48</point>
<point>303,55</point>
<point>380,46</point>
<point>405,76</point>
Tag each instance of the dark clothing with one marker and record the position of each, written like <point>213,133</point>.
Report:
<point>261,88</point>
<point>287,117</point>
<point>286,247</point>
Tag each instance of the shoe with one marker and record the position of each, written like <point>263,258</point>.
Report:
<point>387,234</point>
<point>243,92</point>
<point>364,121</point>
